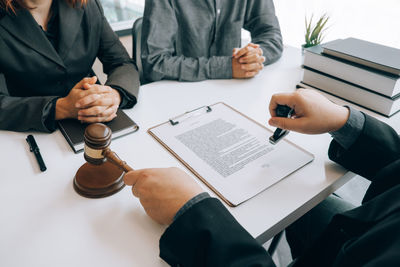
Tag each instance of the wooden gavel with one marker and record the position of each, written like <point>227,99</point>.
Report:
<point>97,140</point>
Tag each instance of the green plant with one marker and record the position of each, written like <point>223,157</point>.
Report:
<point>314,33</point>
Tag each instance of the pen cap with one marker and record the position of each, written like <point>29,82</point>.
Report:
<point>32,143</point>
<point>97,138</point>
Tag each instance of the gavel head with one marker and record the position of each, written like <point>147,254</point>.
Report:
<point>97,138</point>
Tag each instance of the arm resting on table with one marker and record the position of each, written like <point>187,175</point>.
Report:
<point>207,235</point>
<point>26,113</point>
<point>263,25</point>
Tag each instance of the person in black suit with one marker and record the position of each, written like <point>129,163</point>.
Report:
<point>48,48</point>
<point>202,232</point>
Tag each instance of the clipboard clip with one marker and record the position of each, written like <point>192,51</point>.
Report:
<point>190,114</point>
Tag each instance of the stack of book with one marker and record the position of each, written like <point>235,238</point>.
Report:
<point>358,71</point>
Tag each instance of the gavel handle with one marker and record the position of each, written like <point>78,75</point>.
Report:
<point>112,157</point>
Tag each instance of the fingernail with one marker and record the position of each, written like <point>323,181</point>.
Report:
<point>77,105</point>
<point>272,122</point>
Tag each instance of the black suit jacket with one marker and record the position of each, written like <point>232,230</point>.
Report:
<point>33,74</point>
<point>207,235</point>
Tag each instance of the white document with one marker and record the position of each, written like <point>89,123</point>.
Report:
<point>230,152</point>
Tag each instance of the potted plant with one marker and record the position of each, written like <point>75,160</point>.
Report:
<point>315,32</point>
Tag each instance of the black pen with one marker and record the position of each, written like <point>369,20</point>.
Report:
<point>35,149</point>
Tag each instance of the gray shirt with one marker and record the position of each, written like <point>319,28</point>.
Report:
<point>193,40</point>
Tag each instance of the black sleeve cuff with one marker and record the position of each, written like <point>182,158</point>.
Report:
<point>190,203</point>
<point>208,235</point>
<point>49,115</point>
<point>127,101</point>
<point>348,134</point>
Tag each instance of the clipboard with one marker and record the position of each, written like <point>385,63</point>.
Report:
<point>228,151</point>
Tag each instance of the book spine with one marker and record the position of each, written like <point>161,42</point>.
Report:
<point>362,61</point>
<point>349,92</point>
<point>383,84</point>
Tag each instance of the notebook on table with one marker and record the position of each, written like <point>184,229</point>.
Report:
<point>73,130</point>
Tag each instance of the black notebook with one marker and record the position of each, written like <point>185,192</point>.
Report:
<point>369,54</point>
<point>73,130</point>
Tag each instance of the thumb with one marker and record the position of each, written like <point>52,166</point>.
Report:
<point>130,178</point>
<point>92,80</point>
<point>286,123</point>
<point>87,80</point>
<point>254,45</point>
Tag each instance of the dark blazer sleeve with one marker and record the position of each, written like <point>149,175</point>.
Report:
<point>23,113</point>
<point>121,71</point>
<point>377,147</point>
<point>263,25</point>
<point>208,235</point>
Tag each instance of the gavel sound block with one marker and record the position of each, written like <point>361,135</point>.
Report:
<point>102,174</point>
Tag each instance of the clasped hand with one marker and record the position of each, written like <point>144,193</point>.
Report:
<point>247,61</point>
<point>89,102</point>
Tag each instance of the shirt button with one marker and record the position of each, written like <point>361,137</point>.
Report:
<point>218,11</point>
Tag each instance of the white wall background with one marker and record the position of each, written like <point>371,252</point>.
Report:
<point>372,20</point>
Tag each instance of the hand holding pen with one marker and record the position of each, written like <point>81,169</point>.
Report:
<point>312,113</point>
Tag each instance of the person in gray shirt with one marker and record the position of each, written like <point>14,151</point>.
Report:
<point>194,40</point>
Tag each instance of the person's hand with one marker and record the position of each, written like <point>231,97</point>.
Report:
<point>251,53</point>
<point>247,62</point>
<point>162,192</point>
<point>101,106</point>
<point>66,106</point>
<point>313,113</point>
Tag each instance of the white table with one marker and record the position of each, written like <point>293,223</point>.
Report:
<point>45,223</point>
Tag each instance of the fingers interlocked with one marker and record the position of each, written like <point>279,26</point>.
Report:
<point>97,103</point>
<point>250,58</point>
